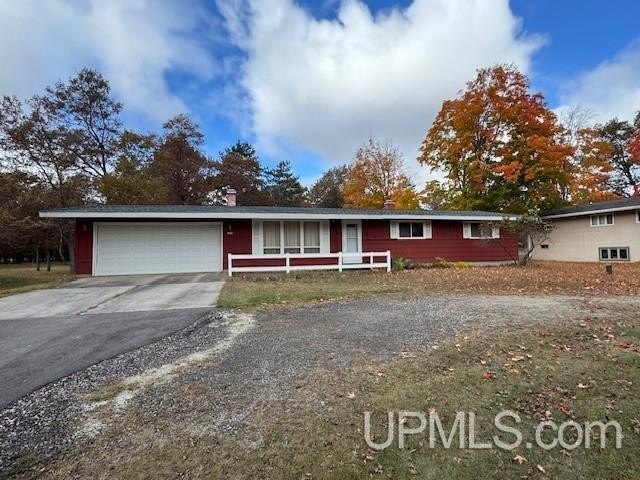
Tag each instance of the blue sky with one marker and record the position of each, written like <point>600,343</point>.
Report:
<point>311,81</point>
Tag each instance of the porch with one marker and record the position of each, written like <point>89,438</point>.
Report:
<point>290,262</point>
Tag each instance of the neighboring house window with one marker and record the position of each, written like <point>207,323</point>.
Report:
<point>410,230</point>
<point>478,230</point>
<point>290,237</point>
<point>602,220</point>
<point>614,254</point>
<point>544,246</point>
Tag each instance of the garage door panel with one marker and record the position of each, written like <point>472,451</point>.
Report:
<point>157,248</point>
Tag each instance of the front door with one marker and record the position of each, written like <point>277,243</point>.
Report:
<point>351,241</point>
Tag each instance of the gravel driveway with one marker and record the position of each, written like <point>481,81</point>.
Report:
<point>207,378</point>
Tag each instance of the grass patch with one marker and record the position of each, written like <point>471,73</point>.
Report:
<point>24,278</point>
<point>572,371</point>
<point>109,392</point>
<point>252,291</point>
<point>537,278</point>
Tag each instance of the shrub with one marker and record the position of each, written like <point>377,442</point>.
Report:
<point>402,263</point>
<point>440,262</point>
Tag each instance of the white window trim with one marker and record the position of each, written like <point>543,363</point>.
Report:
<point>394,230</point>
<point>605,215</point>
<point>466,232</point>
<point>628,259</point>
<point>258,236</point>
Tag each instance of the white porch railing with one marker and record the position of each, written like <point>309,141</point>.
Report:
<point>340,265</point>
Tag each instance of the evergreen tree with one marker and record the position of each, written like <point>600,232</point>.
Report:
<point>284,186</point>
<point>238,167</point>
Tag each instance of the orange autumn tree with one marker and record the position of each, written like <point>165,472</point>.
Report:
<point>634,145</point>
<point>377,174</point>
<point>499,146</point>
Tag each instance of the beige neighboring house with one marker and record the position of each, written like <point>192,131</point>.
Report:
<point>601,231</point>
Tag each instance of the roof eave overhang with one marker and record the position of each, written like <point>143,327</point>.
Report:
<point>593,212</point>
<point>269,216</point>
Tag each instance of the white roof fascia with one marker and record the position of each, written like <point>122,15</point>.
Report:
<point>594,212</point>
<point>270,216</point>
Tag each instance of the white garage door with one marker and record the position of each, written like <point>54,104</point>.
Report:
<point>122,249</point>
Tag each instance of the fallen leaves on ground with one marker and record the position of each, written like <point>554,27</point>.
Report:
<point>537,278</point>
<point>519,459</point>
<point>629,346</point>
<point>488,375</point>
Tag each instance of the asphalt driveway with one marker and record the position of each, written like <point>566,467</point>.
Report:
<point>48,334</point>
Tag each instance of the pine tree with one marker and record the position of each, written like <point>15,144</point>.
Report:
<point>238,167</point>
<point>284,186</point>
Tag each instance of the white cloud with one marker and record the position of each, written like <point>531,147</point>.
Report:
<point>134,43</point>
<point>611,89</point>
<point>327,85</point>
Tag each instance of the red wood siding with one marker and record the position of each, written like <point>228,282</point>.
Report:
<point>335,236</point>
<point>446,242</point>
<point>83,247</point>
<point>236,238</point>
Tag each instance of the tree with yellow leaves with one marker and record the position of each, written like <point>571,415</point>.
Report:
<point>377,174</point>
<point>589,166</point>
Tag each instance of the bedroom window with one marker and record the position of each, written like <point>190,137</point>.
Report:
<point>480,231</point>
<point>617,254</point>
<point>290,237</point>
<point>411,229</point>
<point>602,220</point>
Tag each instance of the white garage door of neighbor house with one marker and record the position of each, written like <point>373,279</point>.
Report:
<point>123,249</point>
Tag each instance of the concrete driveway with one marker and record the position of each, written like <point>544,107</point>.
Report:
<point>48,334</point>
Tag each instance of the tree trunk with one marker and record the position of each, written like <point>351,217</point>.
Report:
<point>72,253</point>
<point>37,259</point>
<point>48,260</point>
<point>67,237</point>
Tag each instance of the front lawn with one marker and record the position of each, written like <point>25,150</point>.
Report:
<point>580,371</point>
<point>539,278</point>
<point>25,277</point>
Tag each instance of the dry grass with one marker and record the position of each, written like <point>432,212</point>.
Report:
<point>541,278</point>
<point>25,277</point>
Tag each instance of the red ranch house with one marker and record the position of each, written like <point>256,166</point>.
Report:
<point>141,239</point>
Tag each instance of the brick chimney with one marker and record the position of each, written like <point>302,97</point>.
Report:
<point>389,205</point>
<point>231,197</point>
